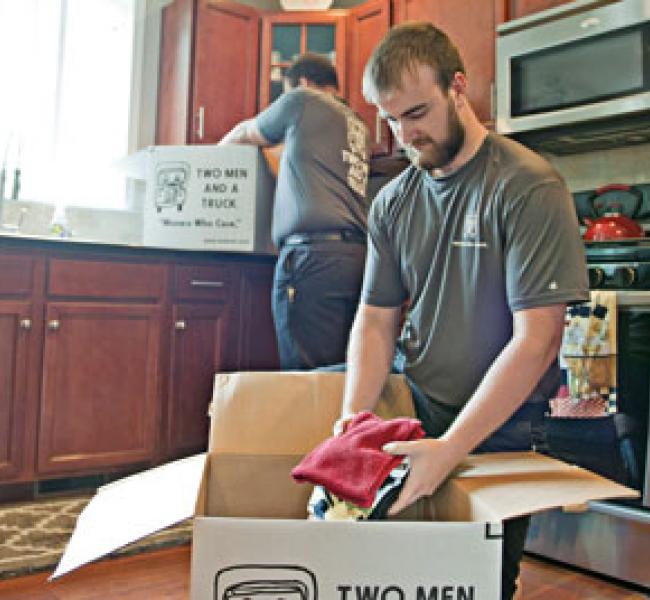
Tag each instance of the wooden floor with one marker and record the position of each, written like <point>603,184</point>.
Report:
<point>164,575</point>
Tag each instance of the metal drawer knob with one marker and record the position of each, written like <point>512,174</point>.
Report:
<point>180,325</point>
<point>25,323</point>
<point>54,324</point>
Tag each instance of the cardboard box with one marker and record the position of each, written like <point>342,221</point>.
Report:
<point>252,539</point>
<point>205,197</point>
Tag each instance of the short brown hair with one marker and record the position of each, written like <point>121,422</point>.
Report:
<point>315,68</point>
<point>404,48</point>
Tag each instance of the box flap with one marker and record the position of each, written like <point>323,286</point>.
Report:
<point>255,486</point>
<point>497,486</point>
<point>286,413</point>
<point>132,508</point>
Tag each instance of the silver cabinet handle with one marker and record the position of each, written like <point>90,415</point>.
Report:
<point>54,324</point>
<point>206,284</point>
<point>25,323</point>
<point>180,325</point>
<point>200,118</point>
<point>378,130</point>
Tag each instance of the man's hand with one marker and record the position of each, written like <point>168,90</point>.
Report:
<point>341,424</point>
<point>431,462</point>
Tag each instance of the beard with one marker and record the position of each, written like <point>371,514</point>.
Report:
<point>425,153</point>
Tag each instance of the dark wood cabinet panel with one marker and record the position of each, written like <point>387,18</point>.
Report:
<point>99,402</point>
<point>208,70</point>
<point>258,348</point>
<point>202,345</point>
<point>104,279</point>
<point>369,23</point>
<point>16,275</point>
<point>175,73</point>
<point>472,27</point>
<point>523,8</point>
<point>15,335</point>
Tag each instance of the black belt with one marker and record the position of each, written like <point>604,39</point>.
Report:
<point>344,235</point>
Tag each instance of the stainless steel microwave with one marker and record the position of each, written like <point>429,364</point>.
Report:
<point>585,62</point>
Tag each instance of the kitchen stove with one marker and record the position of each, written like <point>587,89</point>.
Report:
<point>612,537</point>
<point>619,265</point>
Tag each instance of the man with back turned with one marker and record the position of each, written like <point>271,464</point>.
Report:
<point>319,216</point>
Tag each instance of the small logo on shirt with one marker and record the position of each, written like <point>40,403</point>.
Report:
<point>553,285</point>
<point>470,233</point>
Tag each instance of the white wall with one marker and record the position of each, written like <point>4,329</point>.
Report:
<point>590,170</point>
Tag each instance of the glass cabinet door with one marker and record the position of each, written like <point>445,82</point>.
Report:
<point>288,35</point>
<point>286,44</point>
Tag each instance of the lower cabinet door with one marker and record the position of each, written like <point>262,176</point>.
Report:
<point>99,398</point>
<point>15,334</point>
<point>202,345</point>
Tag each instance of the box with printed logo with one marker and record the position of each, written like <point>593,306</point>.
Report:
<point>252,539</point>
<point>206,197</point>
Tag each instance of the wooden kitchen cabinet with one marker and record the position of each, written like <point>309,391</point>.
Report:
<point>99,405</point>
<point>368,23</point>
<point>108,355</point>
<point>203,342</point>
<point>523,8</point>
<point>18,328</point>
<point>15,324</point>
<point>208,70</point>
<point>472,27</point>
<point>286,35</point>
<point>258,346</point>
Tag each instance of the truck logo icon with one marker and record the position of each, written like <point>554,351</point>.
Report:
<point>265,582</point>
<point>171,185</point>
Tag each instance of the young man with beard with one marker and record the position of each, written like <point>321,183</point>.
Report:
<point>319,215</point>
<point>480,235</point>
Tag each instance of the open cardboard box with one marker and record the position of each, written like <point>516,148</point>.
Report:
<point>251,537</point>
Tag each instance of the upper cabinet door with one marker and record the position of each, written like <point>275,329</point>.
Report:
<point>471,25</point>
<point>522,8</point>
<point>175,72</point>
<point>286,35</point>
<point>208,70</point>
<point>368,23</point>
<point>225,69</point>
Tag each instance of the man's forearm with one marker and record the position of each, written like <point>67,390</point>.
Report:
<point>245,132</point>
<point>370,355</point>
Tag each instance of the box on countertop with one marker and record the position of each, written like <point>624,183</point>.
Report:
<point>205,197</point>
<point>251,537</point>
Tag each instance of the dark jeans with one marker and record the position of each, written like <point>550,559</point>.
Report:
<point>316,291</point>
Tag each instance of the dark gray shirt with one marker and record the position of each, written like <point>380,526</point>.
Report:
<point>497,236</point>
<point>324,167</point>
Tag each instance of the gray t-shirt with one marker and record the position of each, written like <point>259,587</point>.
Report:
<point>497,236</point>
<point>324,166</point>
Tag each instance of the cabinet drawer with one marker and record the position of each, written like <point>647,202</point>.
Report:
<point>17,274</point>
<point>105,279</point>
<point>205,282</point>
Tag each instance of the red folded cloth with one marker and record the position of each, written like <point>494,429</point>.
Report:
<point>353,465</point>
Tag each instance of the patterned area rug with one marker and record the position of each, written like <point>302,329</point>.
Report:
<point>33,535</point>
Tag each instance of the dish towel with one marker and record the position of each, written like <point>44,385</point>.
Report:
<point>353,465</point>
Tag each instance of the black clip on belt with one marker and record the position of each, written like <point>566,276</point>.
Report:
<point>296,239</point>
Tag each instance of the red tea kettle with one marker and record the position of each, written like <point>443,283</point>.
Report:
<point>610,224</point>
